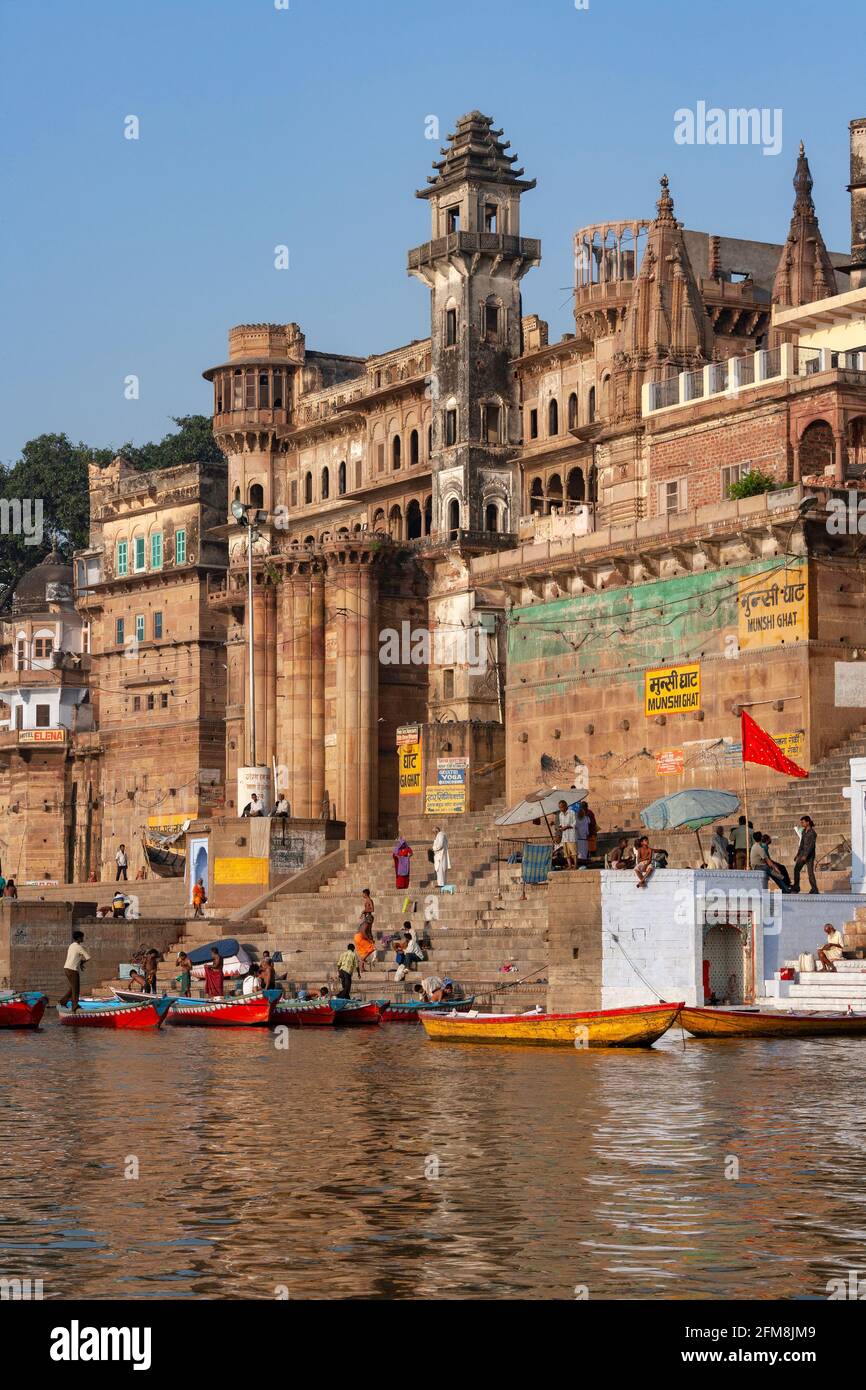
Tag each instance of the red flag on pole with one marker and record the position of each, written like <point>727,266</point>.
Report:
<point>759,747</point>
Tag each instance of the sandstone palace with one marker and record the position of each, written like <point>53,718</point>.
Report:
<point>519,559</point>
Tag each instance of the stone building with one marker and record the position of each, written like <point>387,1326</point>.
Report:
<point>490,561</point>
<point>520,503</point>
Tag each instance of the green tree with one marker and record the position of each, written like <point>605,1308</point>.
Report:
<point>51,471</point>
<point>193,440</point>
<point>753,483</point>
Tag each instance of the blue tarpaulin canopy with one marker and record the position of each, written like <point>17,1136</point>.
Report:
<point>689,810</point>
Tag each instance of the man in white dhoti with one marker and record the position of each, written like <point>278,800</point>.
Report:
<point>441,858</point>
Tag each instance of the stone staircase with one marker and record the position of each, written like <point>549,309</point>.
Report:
<point>485,924</point>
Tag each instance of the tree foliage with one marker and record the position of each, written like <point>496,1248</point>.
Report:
<point>752,484</point>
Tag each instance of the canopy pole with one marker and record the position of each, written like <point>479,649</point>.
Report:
<point>746,810</point>
<point>701,848</point>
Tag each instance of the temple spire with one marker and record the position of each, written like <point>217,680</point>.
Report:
<point>805,272</point>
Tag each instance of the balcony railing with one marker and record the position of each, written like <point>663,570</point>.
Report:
<point>737,374</point>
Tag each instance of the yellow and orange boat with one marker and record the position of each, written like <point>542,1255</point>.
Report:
<point>769,1023</point>
<point>636,1027</point>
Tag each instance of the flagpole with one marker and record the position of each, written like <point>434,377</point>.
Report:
<point>746,810</point>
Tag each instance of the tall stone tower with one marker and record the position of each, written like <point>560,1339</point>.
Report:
<point>473,265</point>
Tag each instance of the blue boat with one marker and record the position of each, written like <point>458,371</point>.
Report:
<point>409,1010</point>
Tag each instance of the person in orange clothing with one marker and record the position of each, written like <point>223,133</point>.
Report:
<point>199,898</point>
<point>364,944</point>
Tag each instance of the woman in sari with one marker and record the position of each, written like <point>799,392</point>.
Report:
<point>364,943</point>
<point>401,854</point>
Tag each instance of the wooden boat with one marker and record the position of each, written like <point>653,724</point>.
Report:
<point>163,861</point>
<point>303,1013</point>
<point>238,1010</point>
<point>770,1023</point>
<point>635,1027</point>
<point>410,1010</point>
<point>22,1010</point>
<point>115,1013</point>
<point>355,1011</point>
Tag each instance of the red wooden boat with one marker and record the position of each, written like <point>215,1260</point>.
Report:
<point>115,1013</point>
<point>242,1009</point>
<point>353,1011</point>
<point>303,1013</point>
<point>23,1010</point>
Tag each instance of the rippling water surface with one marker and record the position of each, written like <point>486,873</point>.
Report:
<point>314,1168</point>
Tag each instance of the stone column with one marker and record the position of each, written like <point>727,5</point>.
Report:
<point>352,600</point>
<point>285,709</point>
<point>840,457</point>
<point>317,691</point>
<point>260,606</point>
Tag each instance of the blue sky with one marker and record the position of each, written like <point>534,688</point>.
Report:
<point>305,127</point>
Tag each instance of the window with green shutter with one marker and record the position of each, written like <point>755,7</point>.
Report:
<point>118,632</point>
<point>122,558</point>
<point>139,552</point>
<point>139,627</point>
<point>156,551</point>
<point>180,547</point>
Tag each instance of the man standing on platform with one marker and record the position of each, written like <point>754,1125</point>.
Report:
<point>76,959</point>
<point>806,855</point>
<point>122,863</point>
<point>348,966</point>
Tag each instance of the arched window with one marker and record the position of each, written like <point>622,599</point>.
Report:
<point>257,496</point>
<point>428,515</point>
<point>429,440</point>
<point>605,396</point>
<point>536,498</point>
<point>454,515</point>
<point>264,391</point>
<point>309,540</point>
<point>590,405</point>
<point>575,487</point>
<point>237,494</point>
<point>379,520</point>
<point>491,517</point>
<point>414,447</point>
<point>553,418</point>
<point>572,411</point>
<point>413,520</point>
<point>554,493</point>
<point>395,451</point>
<point>341,477</point>
<point>308,488</point>
<point>326,483</point>
<point>395,524</point>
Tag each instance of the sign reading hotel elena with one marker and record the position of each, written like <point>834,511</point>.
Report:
<point>42,736</point>
<point>773,608</point>
<point>409,761</point>
<point>673,689</point>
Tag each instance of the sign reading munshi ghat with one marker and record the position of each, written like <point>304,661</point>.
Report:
<point>673,689</point>
<point>773,608</point>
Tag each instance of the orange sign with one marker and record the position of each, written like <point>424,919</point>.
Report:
<point>669,761</point>
<point>41,735</point>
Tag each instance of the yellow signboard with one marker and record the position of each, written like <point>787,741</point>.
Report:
<point>773,608</point>
<point>409,759</point>
<point>673,689</point>
<point>251,870</point>
<point>171,821</point>
<point>792,745</point>
<point>445,801</point>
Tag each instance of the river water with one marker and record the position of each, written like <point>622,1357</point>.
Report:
<point>374,1163</point>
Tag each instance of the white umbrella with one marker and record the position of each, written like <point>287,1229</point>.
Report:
<point>540,803</point>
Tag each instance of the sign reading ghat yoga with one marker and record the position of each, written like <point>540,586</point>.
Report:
<point>409,759</point>
<point>673,689</point>
<point>773,608</point>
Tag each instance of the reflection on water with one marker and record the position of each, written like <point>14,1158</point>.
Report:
<point>305,1168</point>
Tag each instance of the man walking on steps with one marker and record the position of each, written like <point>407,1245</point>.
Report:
<point>76,959</point>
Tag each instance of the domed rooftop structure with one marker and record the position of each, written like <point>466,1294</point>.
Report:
<point>47,583</point>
